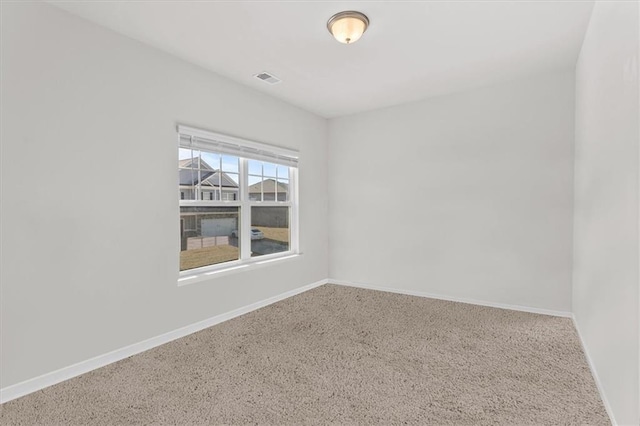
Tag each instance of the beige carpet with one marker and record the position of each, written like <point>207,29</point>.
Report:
<point>344,356</point>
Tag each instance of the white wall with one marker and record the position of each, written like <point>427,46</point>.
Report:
<point>605,288</point>
<point>89,198</point>
<point>467,195</point>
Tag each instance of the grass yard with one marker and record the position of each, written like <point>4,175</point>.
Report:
<point>206,256</point>
<point>196,258</point>
<point>276,234</point>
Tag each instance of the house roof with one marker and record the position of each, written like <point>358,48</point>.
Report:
<point>210,176</point>
<point>225,180</point>
<point>188,163</point>
<point>268,186</point>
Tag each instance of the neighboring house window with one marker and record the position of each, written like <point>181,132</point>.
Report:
<point>251,209</point>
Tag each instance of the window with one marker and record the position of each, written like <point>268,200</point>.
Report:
<point>237,200</point>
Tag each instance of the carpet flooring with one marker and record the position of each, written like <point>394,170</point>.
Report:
<point>344,356</point>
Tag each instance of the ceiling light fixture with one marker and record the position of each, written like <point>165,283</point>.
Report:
<point>347,27</point>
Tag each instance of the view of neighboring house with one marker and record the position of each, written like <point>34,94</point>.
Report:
<point>213,227</point>
<point>270,189</point>
<point>213,184</point>
<point>200,181</point>
<point>199,229</point>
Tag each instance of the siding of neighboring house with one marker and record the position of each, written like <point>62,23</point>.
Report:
<point>269,189</point>
<point>208,193</point>
<point>212,184</point>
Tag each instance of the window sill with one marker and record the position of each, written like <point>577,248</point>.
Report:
<point>220,270</point>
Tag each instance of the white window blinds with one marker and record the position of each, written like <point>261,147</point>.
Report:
<point>208,141</point>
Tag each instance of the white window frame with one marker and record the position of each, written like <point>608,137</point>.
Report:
<point>245,150</point>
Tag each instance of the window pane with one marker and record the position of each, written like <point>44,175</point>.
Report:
<point>269,189</point>
<point>186,185</point>
<point>255,188</point>
<point>194,161</point>
<point>283,172</point>
<point>230,164</point>
<point>208,236</point>
<point>229,196</point>
<point>255,167</point>
<point>254,180</point>
<point>269,230</point>
<point>184,154</point>
<point>209,161</point>
<point>230,180</point>
<point>230,189</point>
<point>209,184</point>
<point>269,169</point>
<point>283,189</point>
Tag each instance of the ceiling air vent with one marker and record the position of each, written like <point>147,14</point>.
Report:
<point>267,78</point>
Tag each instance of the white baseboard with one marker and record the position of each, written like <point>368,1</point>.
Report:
<point>454,299</point>
<point>37,383</point>
<point>594,373</point>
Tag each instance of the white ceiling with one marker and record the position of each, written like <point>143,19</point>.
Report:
<point>412,50</point>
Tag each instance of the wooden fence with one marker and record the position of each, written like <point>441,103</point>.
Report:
<point>202,242</point>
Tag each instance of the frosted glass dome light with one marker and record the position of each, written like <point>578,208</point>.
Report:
<point>347,27</point>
